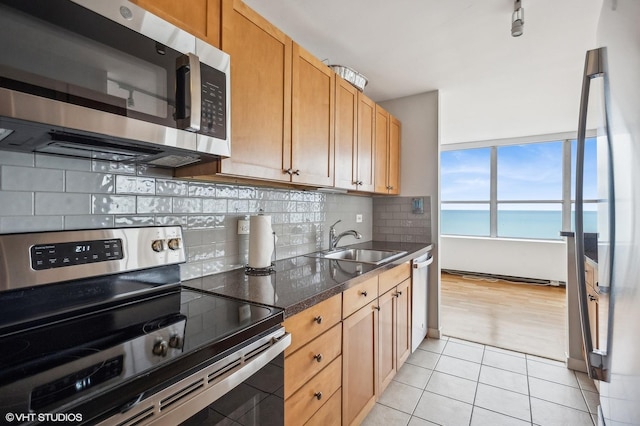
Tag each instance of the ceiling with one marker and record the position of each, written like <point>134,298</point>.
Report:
<point>406,47</point>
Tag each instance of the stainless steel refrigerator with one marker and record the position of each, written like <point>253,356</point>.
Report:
<point>612,84</point>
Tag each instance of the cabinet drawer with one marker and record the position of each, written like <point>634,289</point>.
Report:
<point>330,414</point>
<point>312,322</point>
<point>392,277</point>
<point>306,362</point>
<point>311,397</point>
<point>358,296</point>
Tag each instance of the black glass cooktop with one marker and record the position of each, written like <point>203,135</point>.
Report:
<point>208,326</point>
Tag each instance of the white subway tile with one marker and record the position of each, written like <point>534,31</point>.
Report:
<point>63,163</point>
<point>51,203</point>
<point>102,183</point>
<point>16,203</point>
<point>31,179</point>
<point>88,221</point>
<point>12,224</point>
<point>113,204</point>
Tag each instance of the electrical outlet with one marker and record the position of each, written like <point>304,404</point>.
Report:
<point>358,218</point>
<point>243,227</point>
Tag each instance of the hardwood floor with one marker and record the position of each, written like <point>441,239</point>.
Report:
<point>521,317</point>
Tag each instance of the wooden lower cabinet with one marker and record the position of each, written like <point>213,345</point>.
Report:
<point>329,414</point>
<point>313,362</point>
<point>336,371</point>
<point>359,349</point>
<point>303,404</point>
<point>394,343</point>
<point>387,339</point>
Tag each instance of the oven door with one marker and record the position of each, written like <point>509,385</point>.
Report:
<point>245,386</point>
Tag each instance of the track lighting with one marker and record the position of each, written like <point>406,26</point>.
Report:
<point>517,19</point>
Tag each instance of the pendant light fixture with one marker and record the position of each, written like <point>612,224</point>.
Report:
<point>517,19</point>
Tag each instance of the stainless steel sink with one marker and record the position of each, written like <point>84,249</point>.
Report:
<point>374,257</point>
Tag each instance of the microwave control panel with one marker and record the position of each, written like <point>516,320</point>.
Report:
<point>214,102</point>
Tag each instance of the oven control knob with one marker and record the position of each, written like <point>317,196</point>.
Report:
<point>175,341</point>
<point>160,348</point>
<point>157,245</point>
<point>174,243</point>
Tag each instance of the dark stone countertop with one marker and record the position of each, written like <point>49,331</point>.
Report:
<point>301,282</point>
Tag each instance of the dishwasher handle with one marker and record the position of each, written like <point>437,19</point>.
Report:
<point>419,264</point>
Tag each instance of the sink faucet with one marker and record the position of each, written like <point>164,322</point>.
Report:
<point>333,239</point>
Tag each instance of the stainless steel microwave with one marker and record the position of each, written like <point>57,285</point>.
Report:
<point>108,80</point>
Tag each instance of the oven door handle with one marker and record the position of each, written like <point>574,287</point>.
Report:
<point>224,383</point>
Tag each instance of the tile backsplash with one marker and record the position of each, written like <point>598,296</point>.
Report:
<point>43,193</point>
<point>395,220</point>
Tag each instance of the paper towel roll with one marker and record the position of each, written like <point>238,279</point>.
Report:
<point>260,241</point>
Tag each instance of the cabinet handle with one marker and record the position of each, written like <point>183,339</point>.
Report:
<point>591,297</point>
<point>318,357</point>
<point>364,293</point>
<point>296,172</point>
<point>288,171</point>
<point>377,308</point>
<point>389,187</point>
<point>318,395</point>
<point>318,319</point>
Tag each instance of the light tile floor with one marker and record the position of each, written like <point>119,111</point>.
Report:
<point>456,382</point>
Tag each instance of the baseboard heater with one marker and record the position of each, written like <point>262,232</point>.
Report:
<point>516,280</point>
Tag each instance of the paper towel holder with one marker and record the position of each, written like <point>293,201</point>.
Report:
<point>271,269</point>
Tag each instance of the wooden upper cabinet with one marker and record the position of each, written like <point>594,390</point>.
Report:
<point>346,133</point>
<point>260,94</point>
<point>198,17</point>
<point>355,130</point>
<point>387,153</point>
<point>381,150</point>
<point>312,146</point>
<point>366,143</point>
<point>393,173</point>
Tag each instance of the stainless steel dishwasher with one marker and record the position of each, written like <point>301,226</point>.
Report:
<point>420,284</point>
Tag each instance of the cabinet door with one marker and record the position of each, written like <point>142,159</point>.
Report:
<point>393,168</point>
<point>403,322</point>
<point>366,143</point>
<point>312,120</point>
<point>381,150</point>
<point>359,364</point>
<point>386,339</point>
<point>346,134</point>
<point>260,94</point>
<point>198,17</point>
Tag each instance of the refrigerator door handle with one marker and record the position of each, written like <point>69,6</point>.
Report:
<point>597,360</point>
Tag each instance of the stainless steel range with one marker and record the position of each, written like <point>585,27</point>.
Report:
<point>97,328</point>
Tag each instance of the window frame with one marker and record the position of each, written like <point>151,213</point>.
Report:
<point>566,203</point>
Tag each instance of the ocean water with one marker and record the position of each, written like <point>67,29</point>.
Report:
<point>537,224</point>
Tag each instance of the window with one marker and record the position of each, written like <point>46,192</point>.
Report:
<point>515,191</point>
<point>466,179</point>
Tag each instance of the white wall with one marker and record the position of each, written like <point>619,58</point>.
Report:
<point>546,260</point>
<point>419,173</point>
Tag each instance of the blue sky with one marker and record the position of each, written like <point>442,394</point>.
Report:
<point>525,172</point>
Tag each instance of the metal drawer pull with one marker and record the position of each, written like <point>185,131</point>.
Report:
<point>318,357</point>
<point>318,395</point>
<point>377,308</point>
<point>318,319</point>
<point>591,297</point>
<point>364,293</point>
